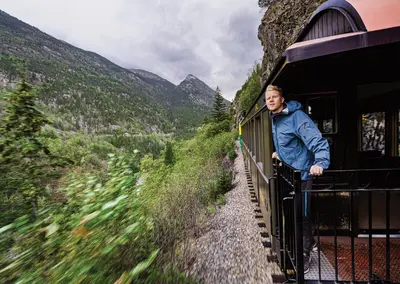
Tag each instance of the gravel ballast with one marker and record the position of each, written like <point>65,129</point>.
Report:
<point>231,249</point>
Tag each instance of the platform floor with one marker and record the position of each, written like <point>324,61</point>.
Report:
<point>361,260</point>
<point>327,270</point>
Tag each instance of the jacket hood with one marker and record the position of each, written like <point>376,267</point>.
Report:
<point>291,107</point>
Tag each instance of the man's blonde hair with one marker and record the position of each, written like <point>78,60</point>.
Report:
<point>274,88</point>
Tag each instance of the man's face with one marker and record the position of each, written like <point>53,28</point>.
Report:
<point>274,101</point>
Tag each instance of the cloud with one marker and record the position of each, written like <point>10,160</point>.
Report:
<point>214,40</point>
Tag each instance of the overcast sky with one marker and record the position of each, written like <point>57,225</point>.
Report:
<point>215,40</point>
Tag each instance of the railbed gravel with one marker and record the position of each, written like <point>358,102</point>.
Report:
<point>231,249</point>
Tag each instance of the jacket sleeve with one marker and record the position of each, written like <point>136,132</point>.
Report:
<point>309,133</point>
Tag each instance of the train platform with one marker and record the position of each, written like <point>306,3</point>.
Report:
<point>361,259</point>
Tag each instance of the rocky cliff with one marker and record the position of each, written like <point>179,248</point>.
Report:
<point>282,22</point>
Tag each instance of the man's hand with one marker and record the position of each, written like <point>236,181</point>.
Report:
<point>316,170</point>
<point>275,155</point>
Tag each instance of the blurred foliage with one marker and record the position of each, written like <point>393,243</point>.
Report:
<point>26,163</point>
<point>99,236</point>
<point>124,208</point>
<point>169,157</point>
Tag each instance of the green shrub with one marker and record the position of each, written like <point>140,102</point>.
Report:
<point>217,146</point>
<point>235,134</point>
<point>221,200</point>
<point>169,157</point>
<point>220,185</point>
<point>180,196</point>
<point>146,144</point>
<point>232,154</point>
<point>214,128</point>
<point>101,149</point>
<point>49,132</point>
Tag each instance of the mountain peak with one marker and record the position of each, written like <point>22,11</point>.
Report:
<point>198,91</point>
<point>144,74</point>
<point>191,77</point>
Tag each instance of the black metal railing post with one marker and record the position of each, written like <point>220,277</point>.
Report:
<point>318,240</point>
<point>387,235</point>
<point>298,213</point>
<point>275,214</point>
<point>352,234</point>
<point>335,236</point>
<point>370,235</point>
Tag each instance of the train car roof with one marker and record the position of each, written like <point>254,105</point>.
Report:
<point>377,14</point>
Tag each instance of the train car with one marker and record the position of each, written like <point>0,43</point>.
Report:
<point>343,69</point>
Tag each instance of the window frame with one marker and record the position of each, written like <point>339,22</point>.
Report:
<point>392,131</point>
<point>335,122</point>
<point>360,130</point>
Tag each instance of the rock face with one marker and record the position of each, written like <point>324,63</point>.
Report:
<point>281,24</point>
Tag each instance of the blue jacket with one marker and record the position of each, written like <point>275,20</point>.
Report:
<point>297,140</point>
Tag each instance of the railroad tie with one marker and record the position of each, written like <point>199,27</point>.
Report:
<point>266,244</point>
<point>277,278</point>
<point>272,258</point>
<point>261,225</point>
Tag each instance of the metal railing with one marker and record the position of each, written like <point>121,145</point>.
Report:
<point>345,205</point>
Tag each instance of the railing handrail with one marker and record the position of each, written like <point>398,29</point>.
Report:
<point>341,171</point>
<point>265,178</point>
<point>358,170</point>
<point>349,190</point>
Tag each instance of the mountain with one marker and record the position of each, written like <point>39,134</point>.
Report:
<point>191,91</point>
<point>198,92</point>
<point>166,91</point>
<point>189,101</point>
<point>81,90</point>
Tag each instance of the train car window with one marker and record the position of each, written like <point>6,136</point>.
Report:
<point>322,111</point>
<point>373,132</point>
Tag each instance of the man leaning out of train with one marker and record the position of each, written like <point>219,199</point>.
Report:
<point>298,143</point>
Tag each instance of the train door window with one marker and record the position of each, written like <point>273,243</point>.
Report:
<point>373,132</point>
<point>322,111</point>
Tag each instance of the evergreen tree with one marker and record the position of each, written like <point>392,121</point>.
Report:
<point>169,158</point>
<point>26,164</point>
<point>218,112</point>
<point>206,119</point>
